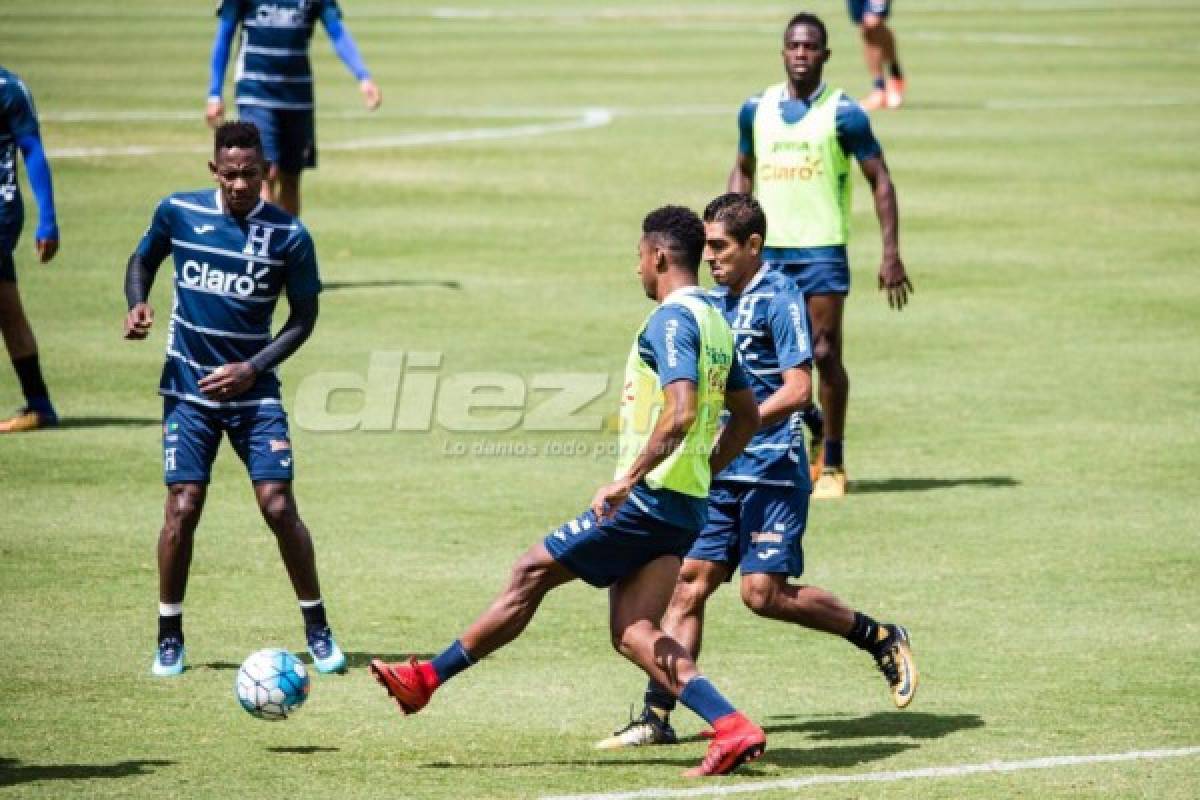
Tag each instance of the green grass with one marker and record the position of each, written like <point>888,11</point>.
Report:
<point>1025,438</point>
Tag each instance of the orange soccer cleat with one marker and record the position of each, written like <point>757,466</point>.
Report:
<point>410,685</point>
<point>736,740</point>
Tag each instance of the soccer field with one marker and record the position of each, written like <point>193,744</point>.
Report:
<point>1023,440</point>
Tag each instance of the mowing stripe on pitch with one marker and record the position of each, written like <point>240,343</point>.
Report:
<point>954,771</point>
<point>588,118</point>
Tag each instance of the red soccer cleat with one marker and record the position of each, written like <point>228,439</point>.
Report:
<point>737,741</point>
<point>410,685</point>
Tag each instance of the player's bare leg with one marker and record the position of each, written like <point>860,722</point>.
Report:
<point>636,604</point>
<point>280,512</point>
<point>181,516</point>
<point>18,335</point>
<point>771,596</point>
<point>684,618</point>
<point>22,351</point>
<point>282,515</point>
<point>879,48</point>
<point>533,576</point>
<point>825,311</point>
<point>873,55</point>
<point>684,622</point>
<point>270,185</point>
<point>282,189</point>
<point>287,192</point>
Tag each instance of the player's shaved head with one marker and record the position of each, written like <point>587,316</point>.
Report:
<point>237,134</point>
<point>812,20</point>
<point>679,232</point>
<point>741,215</point>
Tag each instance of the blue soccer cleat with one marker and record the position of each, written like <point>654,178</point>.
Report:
<point>168,661</point>
<point>327,656</point>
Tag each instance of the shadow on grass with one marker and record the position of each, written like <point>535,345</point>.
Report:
<point>831,756</point>
<point>929,484</point>
<point>13,772</point>
<point>109,422</point>
<point>304,749</point>
<point>333,286</point>
<point>353,659</point>
<point>913,724</point>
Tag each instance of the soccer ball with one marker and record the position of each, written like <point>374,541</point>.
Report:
<point>271,684</point>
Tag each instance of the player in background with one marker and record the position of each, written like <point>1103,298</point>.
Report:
<point>758,506</point>
<point>796,141</point>
<point>19,131</point>
<point>631,539</point>
<point>234,255</point>
<point>275,84</point>
<point>879,51</point>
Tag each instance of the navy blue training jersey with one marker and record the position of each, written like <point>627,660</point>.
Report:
<point>273,70</point>
<point>229,274</point>
<point>18,118</point>
<point>770,330</point>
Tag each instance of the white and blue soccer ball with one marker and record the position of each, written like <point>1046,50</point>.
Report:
<point>271,684</point>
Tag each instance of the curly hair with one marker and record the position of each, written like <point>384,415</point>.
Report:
<point>679,231</point>
<point>806,18</point>
<point>237,134</point>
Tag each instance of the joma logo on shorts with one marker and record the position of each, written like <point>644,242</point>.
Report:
<point>202,276</point>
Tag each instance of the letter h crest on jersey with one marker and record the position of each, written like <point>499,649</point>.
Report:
<point>259,237</point>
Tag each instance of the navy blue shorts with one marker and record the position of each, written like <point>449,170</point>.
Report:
<point>603,553</point>
<point>857,8</point>
<point>759,527</point>
<point>8,244</point>
<point>192,436</point>
<point>816,277</point>
<point>289,137</point>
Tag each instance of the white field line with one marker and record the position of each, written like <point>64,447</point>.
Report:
<point>574,118</point>
<point>1038,40</point>
<point>954,771</point>
<point>197,114</point>
<point>589,118</point>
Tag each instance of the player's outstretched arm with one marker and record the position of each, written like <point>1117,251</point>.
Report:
<point>743,422</point>
<point>676,419</point>
<point>347,50</point>
<point>892,277</point>
<point>214,110</point>
<point>38,167</point>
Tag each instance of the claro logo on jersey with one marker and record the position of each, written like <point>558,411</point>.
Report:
<point>202,275</point>
<point>806,171</point>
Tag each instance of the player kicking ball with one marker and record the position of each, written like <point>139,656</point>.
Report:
<point>758,507</point>
<point>235,254</point>
<point>638,527</point>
